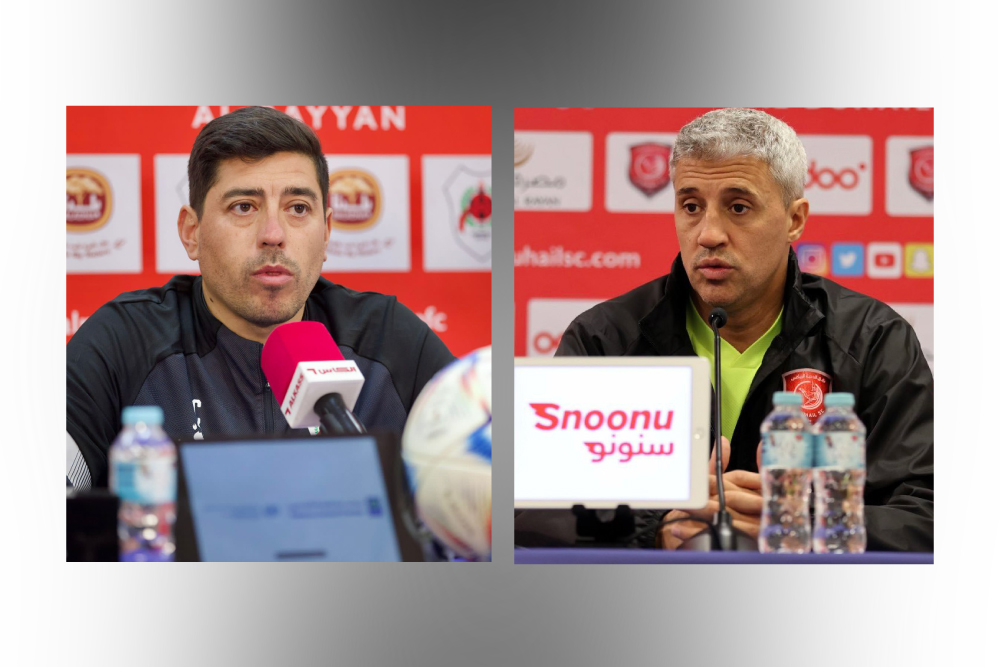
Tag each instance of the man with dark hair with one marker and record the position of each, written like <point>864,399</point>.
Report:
<point>738,178</point>
<point>258,225</point>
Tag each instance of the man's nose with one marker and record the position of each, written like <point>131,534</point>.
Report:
<point>713,229</point>
<point>273,231</point>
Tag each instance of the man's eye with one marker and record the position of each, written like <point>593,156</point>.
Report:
<point>690,208</point>
<point>739,209</point>
<point>243,207</point>
<point>300,209</point>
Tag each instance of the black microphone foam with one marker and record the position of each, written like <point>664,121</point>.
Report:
<point>718,317</point>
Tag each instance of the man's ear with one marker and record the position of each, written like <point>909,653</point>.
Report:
<point>326,237</point>
<point>798,212</point>
<point>187,228</point>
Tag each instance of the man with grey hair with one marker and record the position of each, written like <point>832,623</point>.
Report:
<point>738,179</point>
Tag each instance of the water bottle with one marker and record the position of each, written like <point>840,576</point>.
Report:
<point>839,478</point>
<point>143,474</point>
<point>786,477</point>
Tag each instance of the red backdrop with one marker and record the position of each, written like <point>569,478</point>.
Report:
<point>420,159</point>
<point>594,208</point>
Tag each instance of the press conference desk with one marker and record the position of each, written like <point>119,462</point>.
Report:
<point>634,556</point>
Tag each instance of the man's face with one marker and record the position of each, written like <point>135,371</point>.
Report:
<point>261,240</point>
<point>733,229</point>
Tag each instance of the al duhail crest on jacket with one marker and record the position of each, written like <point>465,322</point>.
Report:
<point>469,196</point>
<point>553,417</point>
<point>814,385</point>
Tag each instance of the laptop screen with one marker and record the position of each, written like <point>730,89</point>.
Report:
<point>607,431</point>
<point>313,499</point>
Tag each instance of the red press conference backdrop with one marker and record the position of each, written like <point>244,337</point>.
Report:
<point>410,188</point>
<point>594,208</point>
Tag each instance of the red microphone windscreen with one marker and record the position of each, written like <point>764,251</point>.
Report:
<point>289,345</point>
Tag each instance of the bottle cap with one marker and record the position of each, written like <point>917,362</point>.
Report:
<point>148,414</point>
<point>787,398</point>
<point>839,399</point>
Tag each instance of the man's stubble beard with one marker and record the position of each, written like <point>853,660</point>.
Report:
<point>276,305</point>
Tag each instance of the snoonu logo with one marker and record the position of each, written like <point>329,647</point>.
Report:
<point>552,417</point>
<point>356,199</point>
<point>88,200</point>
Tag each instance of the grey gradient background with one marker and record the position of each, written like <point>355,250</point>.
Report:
<point>507,55</point>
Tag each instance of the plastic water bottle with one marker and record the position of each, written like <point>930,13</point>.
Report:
<point>839,478</point>
<point>143,474</point>
<point>786,477</point>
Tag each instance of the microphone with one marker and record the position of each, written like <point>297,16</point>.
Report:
<point>308,373</point>
<point>720,536</point>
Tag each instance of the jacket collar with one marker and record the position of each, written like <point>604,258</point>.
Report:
<point>664,328</point>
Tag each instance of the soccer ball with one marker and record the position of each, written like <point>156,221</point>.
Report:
<point>448,452</point>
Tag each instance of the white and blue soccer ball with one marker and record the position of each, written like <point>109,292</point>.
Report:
<point>448,452</point>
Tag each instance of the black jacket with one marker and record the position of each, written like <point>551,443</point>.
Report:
<point>865,347</point>
<point>162,346</point>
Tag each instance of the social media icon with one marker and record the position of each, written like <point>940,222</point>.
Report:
<point>885,260</point>
<point>812,258</point>
<point>847,259</point>
<point>919,260</point>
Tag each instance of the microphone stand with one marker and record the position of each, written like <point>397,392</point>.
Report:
<point>721,535</point>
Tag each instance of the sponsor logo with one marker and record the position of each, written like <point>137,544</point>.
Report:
<point>552,417</point>
<point>545,342</point>
<point>826,178</point>
<point>921,175</point>
<point>295,393</point>
<point>522,151</point>
<point>553,171</point>
<point>813,385</point>
<point>468,195</point>
<point>649,168</point>
<point>812,258</point>
<point>847,259</point>
<point>885,260</point>
<point>88,200</point>
<point>919,260</point>
<point>548,319</point>
<point>839,174</point>
<point>436,320</point>
<point>369,199</point>
<point>356,199</point>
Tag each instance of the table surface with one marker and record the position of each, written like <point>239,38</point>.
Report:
<point>583,555</point>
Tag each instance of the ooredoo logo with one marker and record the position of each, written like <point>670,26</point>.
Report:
<point>838,176</point>
<point>649,167</point>
<point>813,385</point>
<point>827,178</point>
<point>88,200</point>
<point>922,171</point>
<point>550,416</point>
<point>545,342</point>
<point>356,199</point>
<point>548,319</point>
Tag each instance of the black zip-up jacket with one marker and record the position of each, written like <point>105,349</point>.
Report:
<point>864,347</point>
<point>162,346</point>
